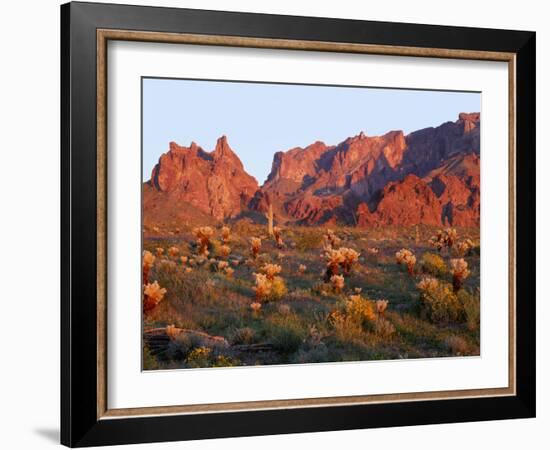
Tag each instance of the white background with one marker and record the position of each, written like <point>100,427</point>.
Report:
<point>129,387</point>
<point>29,140</point>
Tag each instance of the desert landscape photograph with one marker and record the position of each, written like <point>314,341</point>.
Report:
<point>300,224</point>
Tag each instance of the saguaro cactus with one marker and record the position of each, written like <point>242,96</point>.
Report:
<point>269,217</point>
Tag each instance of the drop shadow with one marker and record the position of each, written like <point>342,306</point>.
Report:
<point>50,434</point>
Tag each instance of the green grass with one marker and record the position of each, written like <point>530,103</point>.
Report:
<point>296,328</point>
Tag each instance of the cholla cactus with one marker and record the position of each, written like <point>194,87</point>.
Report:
<point>337,282</point>
<point>459,269</point>
<point>450,237</point>
<point>203,235</point>
<point>226,234</point>
<point>381,306</point>
<point>148,259</point>
<point>464,247</point>
<point>255,307</point>
<point>255,245</point>
<point>278,237</point>
<point>225,250</point>
<point>405,256</point>
<point>147,262</point>
<point>350,257</point>
<point>284,309</point>
<point>263,287</point>
<point>333,258</point>
<point>302,269</point>
<point>173,251</point>
<point>331,240</point>
<point>444,238</point>
<point>159,251</point>
<point>427,284</point>
<point>152,296</point>
<point>270,270</point>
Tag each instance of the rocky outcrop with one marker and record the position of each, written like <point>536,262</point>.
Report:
<point>322,183</point>
<point>403,203</point>
<point>430,176</point>
<point>213,182</point>
<point>448,195</point>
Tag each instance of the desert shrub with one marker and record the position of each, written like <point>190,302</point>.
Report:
<point>284,309</point>
<point>225,361</point>
<point>439,303</point>
<point>287,338</point>
<point>313,355</point>
<point>352,318</point>
<point>309,240</point>
<point>181,345</point>
<point>360,310</point>
<point>456,345</point>
<point>384,328</point>
<point>198,357</point>
<point>244,335</point>
<point>191,287</point>
<point>215,247</point>
<point>471,304</point>
<point>433,264</point>
<point>286,333</point>
<point>149,361</point>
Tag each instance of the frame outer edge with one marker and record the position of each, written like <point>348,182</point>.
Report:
<point>79,426</point>
<point>526,224</point>
<point>65,389</point>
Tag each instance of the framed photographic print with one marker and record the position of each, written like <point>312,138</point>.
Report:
<point>277,224</point>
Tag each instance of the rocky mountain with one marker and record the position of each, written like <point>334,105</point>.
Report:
<point>429,176</point>
<point>214,183</point>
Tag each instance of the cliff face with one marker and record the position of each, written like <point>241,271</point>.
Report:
<point>341,183</point>
<point>213,182</point>
<point>430,176</point>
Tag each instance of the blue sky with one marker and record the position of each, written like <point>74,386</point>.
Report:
<point>261,119</point>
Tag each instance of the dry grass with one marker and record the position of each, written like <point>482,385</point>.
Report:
<point>300,315</point>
